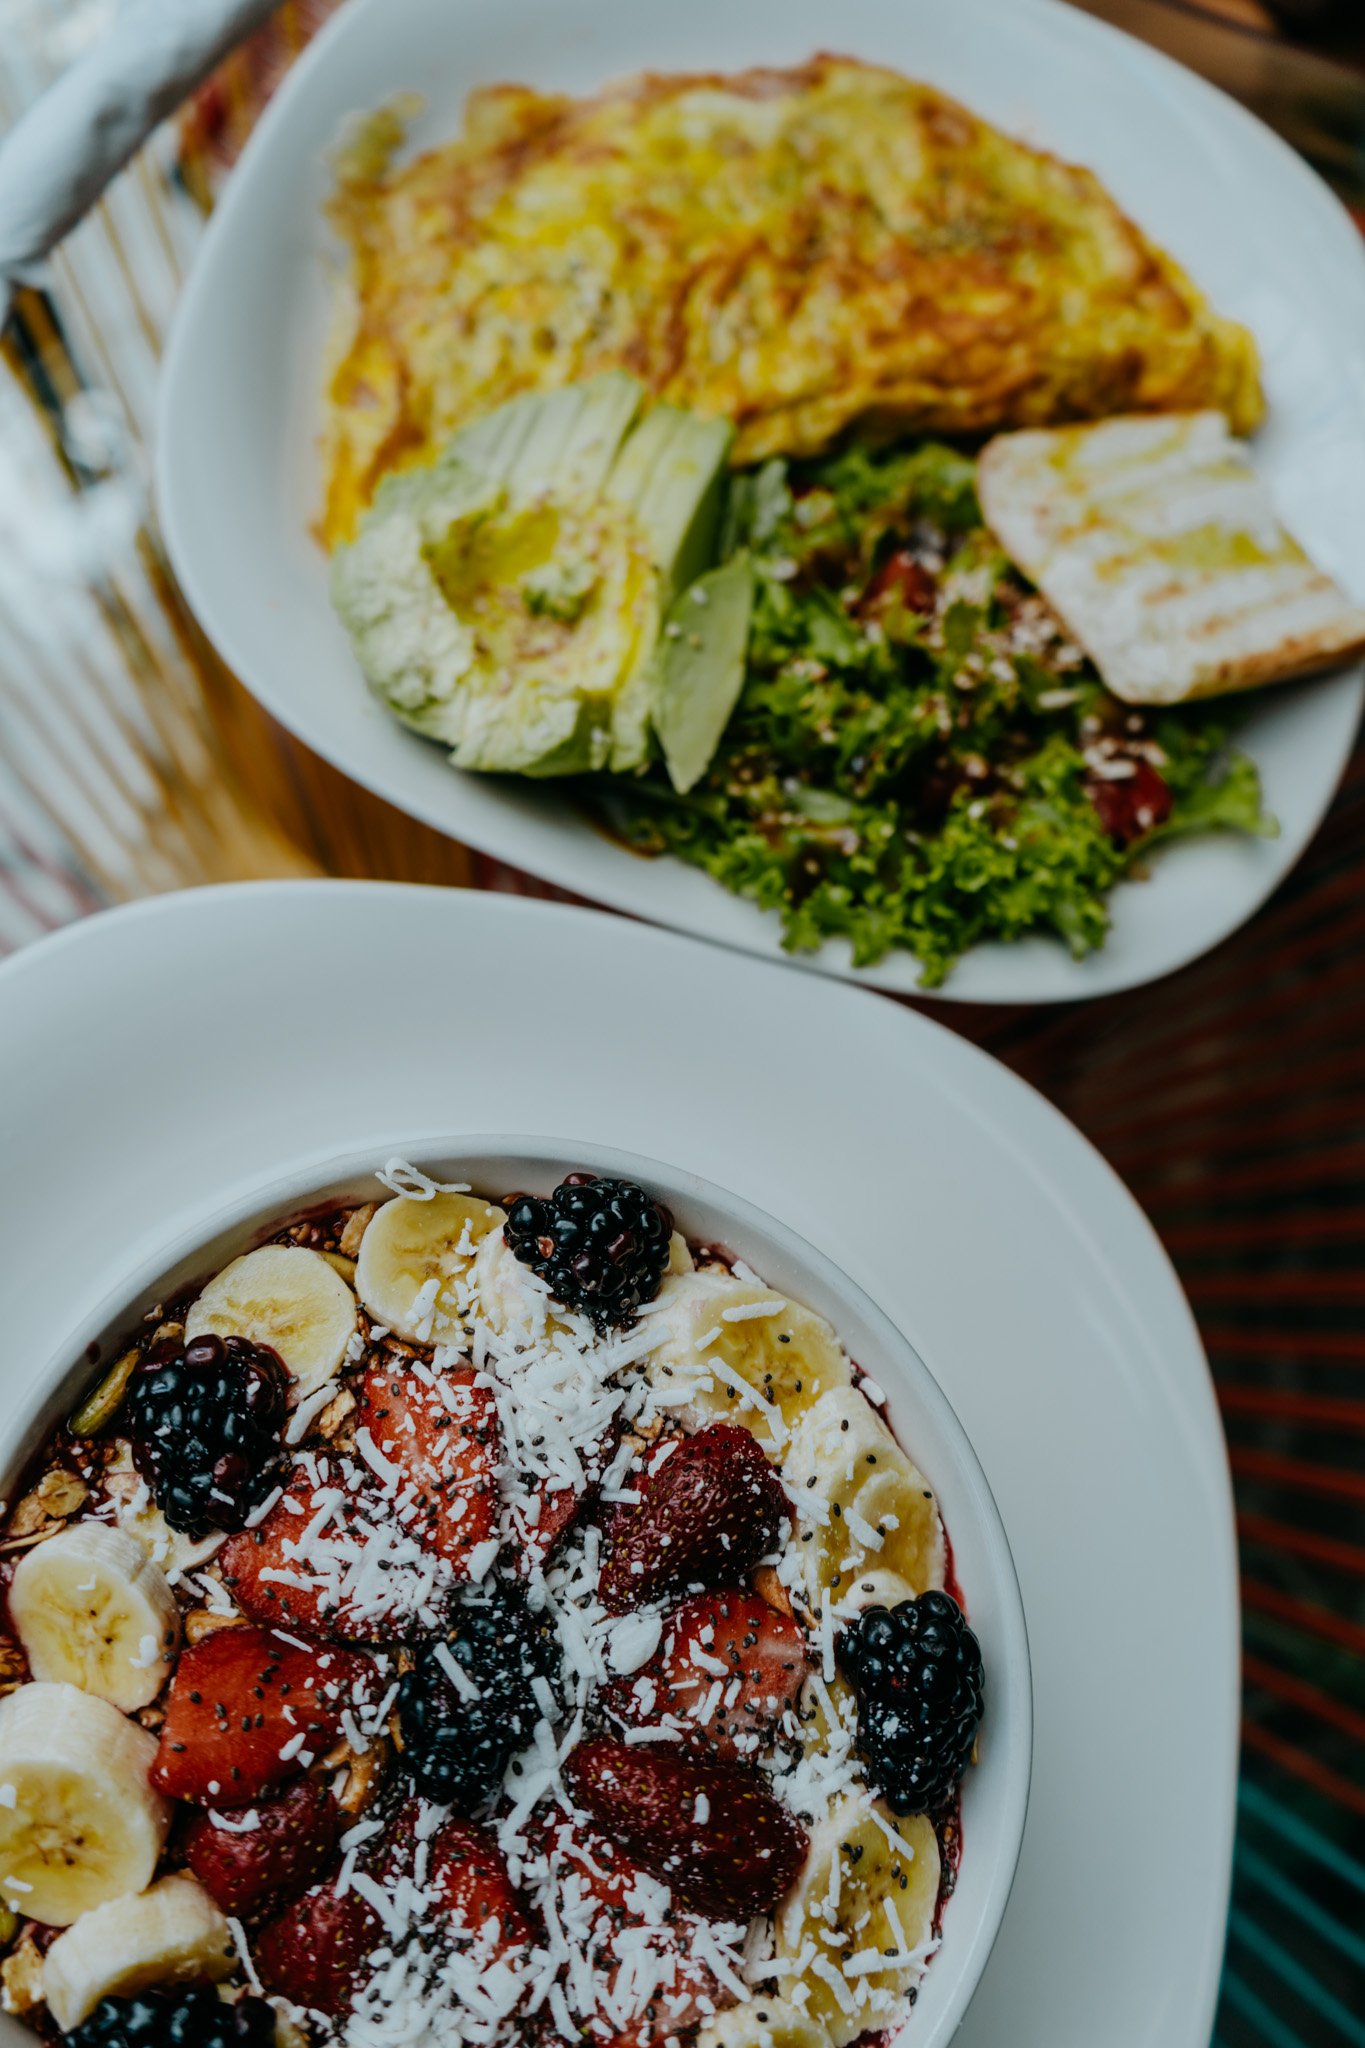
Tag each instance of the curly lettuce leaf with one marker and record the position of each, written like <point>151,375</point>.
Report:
<point>906,788</point>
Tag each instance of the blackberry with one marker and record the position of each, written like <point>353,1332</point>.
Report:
<point>916,1669</point>
<point>459,1739</point>
<point>197,2018</point>
<point>599,1245</point>
<point>205,1420</point>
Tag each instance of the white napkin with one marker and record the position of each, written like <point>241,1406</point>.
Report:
<point>60,155</point>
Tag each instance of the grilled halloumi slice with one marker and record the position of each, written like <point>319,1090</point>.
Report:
<point>1158,545</point>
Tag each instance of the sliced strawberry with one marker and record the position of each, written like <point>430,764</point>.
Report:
<point>254,1871</point>
<point>441,1433</point>
<point>468,1874</point>
<point>453,1883</point>
<point>711,1507</point>
<point>366,1546</point>
<point>320,1581</point>
<point>557,1508</point>
<point>728,1667</point>
<point>545,1512</point>
<point>464,1875</point>
<point>315,1952</point>
<point>604,1897</point>
<point>712,1832</point>
<point>247,1711</point>
<point>268,1580</point>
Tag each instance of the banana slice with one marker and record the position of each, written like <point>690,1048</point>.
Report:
<point>876,1588</point>
<point>172,1934</point>
<point>93,1611</point>
<point>288,1297</point>
<point>860,1917</point>
<point>763,2023</point>
<point>867,1505</point>
<point>735,1350</point>
<point>79,1822</point>
<point>414,1259</point>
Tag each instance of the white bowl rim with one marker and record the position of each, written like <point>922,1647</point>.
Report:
<point>228,1222</point>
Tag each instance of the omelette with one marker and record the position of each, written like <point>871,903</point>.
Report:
<point>796,252</point>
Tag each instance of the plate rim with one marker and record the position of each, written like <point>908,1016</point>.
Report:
<point>974,1066</point>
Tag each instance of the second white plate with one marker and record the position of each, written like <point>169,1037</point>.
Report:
<point>239,481</point>
<point>156,1059</point>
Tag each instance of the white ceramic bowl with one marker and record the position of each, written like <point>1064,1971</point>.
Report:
<point>995,1794</point>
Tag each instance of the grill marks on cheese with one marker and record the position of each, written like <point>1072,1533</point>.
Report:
<point>1159,546</point>
<point>793,250</point>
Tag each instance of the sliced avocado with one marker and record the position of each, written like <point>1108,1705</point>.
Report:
<point>671,472</point>
<point>414,650</point>
<point>578,437</point>
<point>700,668</point>
<point>492,443</point>
<point>539,698</point>
<point>508,598</point>
<point>681,506</point>
<point>642,454</point>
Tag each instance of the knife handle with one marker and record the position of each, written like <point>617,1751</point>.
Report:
<point>59,156</point>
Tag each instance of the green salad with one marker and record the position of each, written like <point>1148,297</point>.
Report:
<point>919,758</point>
<point>822,682</point>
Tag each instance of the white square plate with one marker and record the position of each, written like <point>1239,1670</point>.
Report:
<point>157,1061</point>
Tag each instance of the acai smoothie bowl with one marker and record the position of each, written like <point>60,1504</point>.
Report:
<point>499,1591</point>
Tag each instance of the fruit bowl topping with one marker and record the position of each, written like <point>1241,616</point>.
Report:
<point>370,1544</point>
<point>728,1674</point>
<point>474,1697</point>
<point>206,1418</point>
<point>599,1245</point>
<point>194,2018</point>
<point>710,1506</point>
<point>918,1674</point>
<point>712,1832</point>
<point>480,1674</point>
<point>249,1709</point>
<point>251,1869</point>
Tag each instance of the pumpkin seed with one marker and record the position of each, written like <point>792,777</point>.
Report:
<point>98,1410</point>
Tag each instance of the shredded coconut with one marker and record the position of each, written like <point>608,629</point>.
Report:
<point>576,1418</point>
